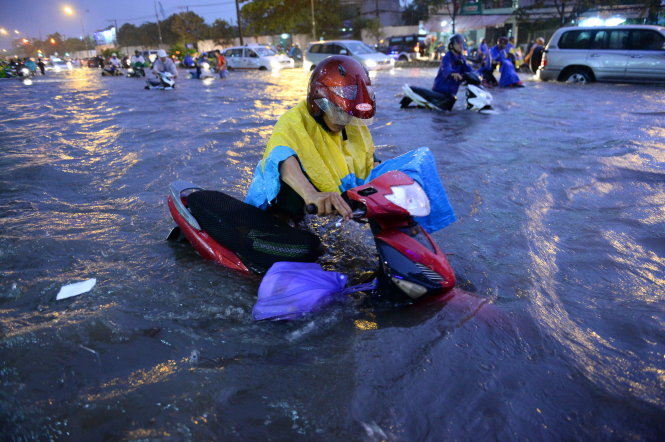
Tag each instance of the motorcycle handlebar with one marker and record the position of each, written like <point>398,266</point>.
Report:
<point>358,213</point>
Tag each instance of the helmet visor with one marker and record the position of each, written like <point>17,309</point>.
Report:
<point>350,92</point>
<point>337,116</point>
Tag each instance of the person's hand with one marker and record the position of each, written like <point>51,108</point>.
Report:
<point>456,76</point>
<point>328,203</point>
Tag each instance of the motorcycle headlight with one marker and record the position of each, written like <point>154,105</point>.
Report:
<point>25,71</point>
<point>410,197</point>
<point>205,66</point>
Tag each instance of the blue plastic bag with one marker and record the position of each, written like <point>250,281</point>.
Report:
<point>419,164</point>
<point>290,290</point>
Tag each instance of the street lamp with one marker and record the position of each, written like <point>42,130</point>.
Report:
<point>70,11</point>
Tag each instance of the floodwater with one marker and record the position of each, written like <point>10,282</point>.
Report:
<point>561,236</point>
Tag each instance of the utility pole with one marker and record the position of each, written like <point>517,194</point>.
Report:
<point>159,29</point>
<point>85,40</point>
<point>313,21</point>
<point>239,26</point>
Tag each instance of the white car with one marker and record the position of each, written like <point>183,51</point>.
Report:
<point>259,57</point>
<point>371,59</point>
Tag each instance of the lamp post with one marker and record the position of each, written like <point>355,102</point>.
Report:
<point>69,11</point>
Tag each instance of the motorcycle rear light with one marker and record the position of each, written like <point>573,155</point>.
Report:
<point>410,197</point>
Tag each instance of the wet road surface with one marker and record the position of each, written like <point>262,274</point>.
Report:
<point>560,240</point>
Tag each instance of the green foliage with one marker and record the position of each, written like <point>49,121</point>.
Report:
<point>110,51</point>
<point>271,17</point>
<point>180,51</point>
<point>188,27</point>
<point>222,32</point>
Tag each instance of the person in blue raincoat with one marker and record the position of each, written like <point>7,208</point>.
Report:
<point>485,69</point>
<point>499,53</point>
<point>453,66</point>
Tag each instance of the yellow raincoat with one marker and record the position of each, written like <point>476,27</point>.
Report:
<point>331,163</point>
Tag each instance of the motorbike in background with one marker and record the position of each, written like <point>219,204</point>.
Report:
<point>164,82</point>
<point>477,98</point>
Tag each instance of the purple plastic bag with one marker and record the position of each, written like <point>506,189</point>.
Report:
<point>292,289</point>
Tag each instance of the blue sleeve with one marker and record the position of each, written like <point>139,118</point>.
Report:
<point>446,67</point>
<point>497,54</point>
<point>265,185</point>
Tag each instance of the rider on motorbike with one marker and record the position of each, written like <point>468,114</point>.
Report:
<point>114,63</point>
<point>320,146</point>
<point>164,64</point>
<point>453,66</point>
<point>323,147</point>
<point>137,60</point>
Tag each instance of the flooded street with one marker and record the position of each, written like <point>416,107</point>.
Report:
<point>560,200</point>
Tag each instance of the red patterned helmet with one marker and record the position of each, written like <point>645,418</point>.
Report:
<point>340,87</point>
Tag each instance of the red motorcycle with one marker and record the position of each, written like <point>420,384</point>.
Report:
<point>234,234</point>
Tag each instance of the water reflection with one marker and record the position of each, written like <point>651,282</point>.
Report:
<point>119,387</point>
<point>560,232</point>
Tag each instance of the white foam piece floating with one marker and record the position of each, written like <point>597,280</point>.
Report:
<point>76,289</point>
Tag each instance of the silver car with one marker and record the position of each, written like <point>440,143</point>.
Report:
<point>631,53</point>
<point>370,58</point>
<point>259,57</point>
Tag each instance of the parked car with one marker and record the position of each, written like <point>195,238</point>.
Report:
<point>57,64</point>
<point>370,58</point>
<point>632,53</point>
<point>259,57</point>
<point>404,47</point>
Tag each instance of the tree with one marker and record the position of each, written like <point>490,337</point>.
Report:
<point>128,35</point>
<point>270,17</point>
<point>188,26</point>
<point>373,28</point>
<point>73,45</point>
<point>221,31</point>
<point>147,35</point>
<point>55,43</point>
<point>451,6</point>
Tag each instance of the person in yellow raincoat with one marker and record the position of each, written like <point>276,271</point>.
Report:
<point>322,146</point>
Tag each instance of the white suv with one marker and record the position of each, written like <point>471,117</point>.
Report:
<point>632,53</point>
<point>259,57</point>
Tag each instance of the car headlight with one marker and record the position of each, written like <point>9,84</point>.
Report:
<point>370,63</point>
<point>410,197</point>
